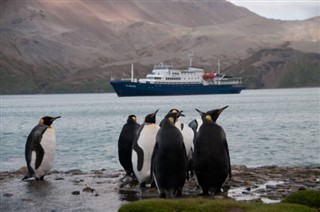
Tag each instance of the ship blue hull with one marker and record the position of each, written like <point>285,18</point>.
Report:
<point>127,88</point>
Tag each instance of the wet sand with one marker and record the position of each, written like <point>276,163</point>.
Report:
<point>101,190</point>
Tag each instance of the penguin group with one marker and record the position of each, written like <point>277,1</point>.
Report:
<point>162,156</point>
<point>166,155</point>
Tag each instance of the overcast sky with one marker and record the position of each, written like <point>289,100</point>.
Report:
<point>282,9</point>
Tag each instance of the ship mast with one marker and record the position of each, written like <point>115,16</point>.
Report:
<point>218,66</point>
<point>190,58</point>
<point>132,72</point>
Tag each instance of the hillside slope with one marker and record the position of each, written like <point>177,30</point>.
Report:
<point>76,46</point>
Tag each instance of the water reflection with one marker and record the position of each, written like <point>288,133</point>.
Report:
<point>39,188</point>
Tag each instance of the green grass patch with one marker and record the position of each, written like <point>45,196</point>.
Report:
<point>201,204</point>
<point>309,198</point>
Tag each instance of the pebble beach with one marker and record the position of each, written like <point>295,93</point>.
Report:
<point>103,190</point>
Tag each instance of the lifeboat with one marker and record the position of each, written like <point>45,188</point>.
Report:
<point>208,76</point>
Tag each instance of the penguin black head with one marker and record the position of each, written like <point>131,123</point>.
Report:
<point>171,117</point>
<point>131,119</point>
<point>47,120</point>
<point>151,118</point>
<point>177,111</point>
<point>211,115</point>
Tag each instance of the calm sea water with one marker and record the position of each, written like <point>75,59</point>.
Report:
<point>263,127</point>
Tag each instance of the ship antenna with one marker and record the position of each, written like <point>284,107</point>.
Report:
<point>190,58</point>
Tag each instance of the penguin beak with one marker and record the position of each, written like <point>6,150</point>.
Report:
<point>201,113</point>
<point>222,109</point>
<point>55,118</point>
<point>180,114</point>
<point>155,113</point>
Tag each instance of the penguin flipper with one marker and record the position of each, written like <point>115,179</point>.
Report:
<point>40,154</point>
<point>138,150</point>
<point>140,154</point>
<point>154,154</point>
<point>229,162</point>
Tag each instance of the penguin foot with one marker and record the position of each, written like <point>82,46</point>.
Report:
<point>153,185</point>
<point>25,177</point>
<point>162,195</point>
<point>143,185</point>
<point>123,184</point>
<point>40,178</point>
<point>123,178</point>
<point>205,194</point>
<point>178,193</point>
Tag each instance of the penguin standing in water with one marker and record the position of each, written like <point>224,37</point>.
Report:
<point>169,160</point>
<point>40,148</point>
<point>142,149</point>
<point>125,141</point>
<point>211,154</point>
<point>188,137</point>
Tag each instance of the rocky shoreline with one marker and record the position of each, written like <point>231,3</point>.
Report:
<point>100,190</point>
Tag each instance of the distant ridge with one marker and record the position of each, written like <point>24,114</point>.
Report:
<point>76,46</point>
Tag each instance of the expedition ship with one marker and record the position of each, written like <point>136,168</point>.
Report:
<point>165,80</point>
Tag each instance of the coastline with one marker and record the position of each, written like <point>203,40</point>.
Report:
<point>99,190</point>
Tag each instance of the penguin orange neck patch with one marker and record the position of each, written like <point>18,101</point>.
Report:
<point>208,117</point>
<point>171,119</point>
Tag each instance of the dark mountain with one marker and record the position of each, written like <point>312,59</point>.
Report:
<point>76,46</point>
<point>279,68</point>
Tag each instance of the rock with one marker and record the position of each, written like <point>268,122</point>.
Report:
<point>219,197</point>
<point>247,192</point>
<point>74,172</point>
<point>59,178</point>
<point>88,189</point>
<point>7,195</point>
<point>54,171</point>
<point>302,188</point>
<point>22,170</point>
<point>271,186</point>
<point>75,192</point>
<point>97,171</point>
<point>77,181</point>
<point>260,190</point>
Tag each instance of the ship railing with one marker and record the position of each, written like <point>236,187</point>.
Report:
<point>162,66</point>
<point>236,80</point>
<point>129,79</point>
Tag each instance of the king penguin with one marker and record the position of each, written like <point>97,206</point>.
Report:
<point>211,154</point>
<point>195,125</point>
<point>169,160</point>
<point>188,137</point>
<point>125,141</point>
<point>142,149</point>
<point>40,148</point>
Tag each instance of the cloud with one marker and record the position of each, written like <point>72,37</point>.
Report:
<point>282,9</point>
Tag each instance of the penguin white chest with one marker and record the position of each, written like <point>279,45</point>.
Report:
<point>48,143</point>
<point>146,142</point>
<point>147,139</point>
